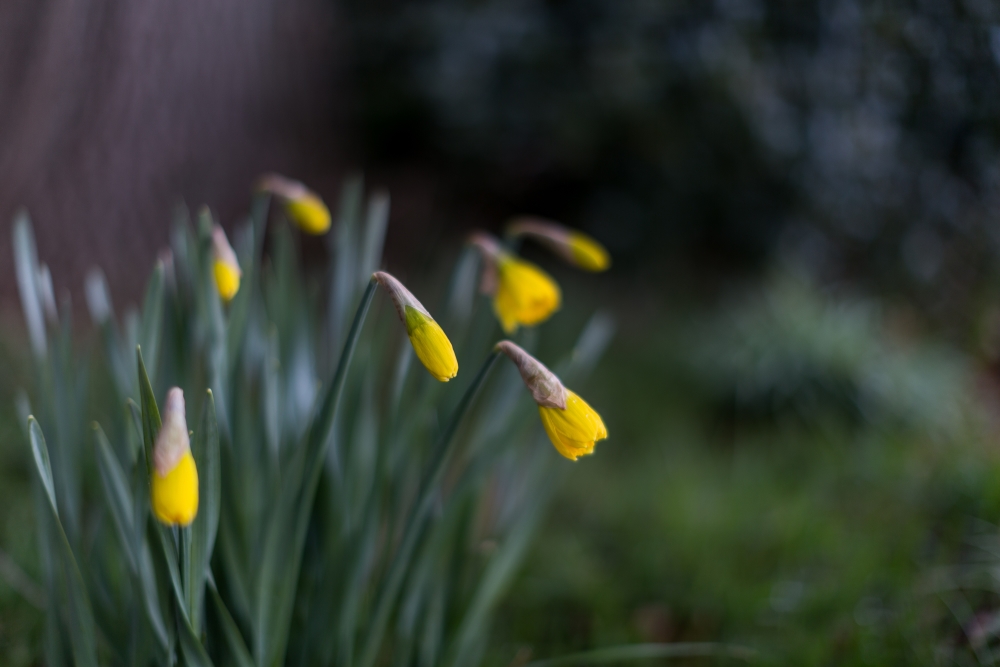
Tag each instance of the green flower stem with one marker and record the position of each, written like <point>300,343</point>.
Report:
<point>418,519</point>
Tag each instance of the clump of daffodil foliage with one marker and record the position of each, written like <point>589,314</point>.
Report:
<point>281,466</point>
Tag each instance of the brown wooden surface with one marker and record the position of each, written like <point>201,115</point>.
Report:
<point>113,112</point>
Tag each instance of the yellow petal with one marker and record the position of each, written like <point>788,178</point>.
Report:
<point>175,495</point>
<point>309,213</point>
<point>227,279</point>
<point>525,294</point>
<point>587,253</point>
<point>431,345</point>
<point>575,430</point>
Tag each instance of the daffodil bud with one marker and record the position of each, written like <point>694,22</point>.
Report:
<point>523,294</point>
<point>225,265</point>
<point>543,384</point>
<point>303,206</point>
<point>571,424</point>
<point>573,246</point>
<point>174,487</point>
<point>428,339</point>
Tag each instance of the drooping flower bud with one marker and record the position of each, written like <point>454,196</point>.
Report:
<point>225,265</point>
<point>523,294</point>
<point>571,424</point>
<point>575,247</point>
<point>543,384</point>
<point>303,206</point>
<point>174,487</point>
<point>429,341</point>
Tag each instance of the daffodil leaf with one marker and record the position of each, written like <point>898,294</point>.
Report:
<point>285,537</point>
<point>133,427</point>
<point>40,453</point>
<point>345,249</point>
<point>165,554</point>
<point>150,412</point>
<point>191,648</point>
<point>239,308</point>
<point>205,449</point>
<point>376,222</point>
<point>26,271</point>
<point>116,493</point>
<point>230,632</point>
<point>80,616</point>
<point>501,568</point>
<point>151,324</point>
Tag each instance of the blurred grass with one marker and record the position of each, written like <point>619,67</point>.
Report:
<point>801,519</point>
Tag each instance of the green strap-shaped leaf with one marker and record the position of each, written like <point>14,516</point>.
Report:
<point>166,558</point>
<point>388,594</point>
<point>191,648</point>
<point>206,524</point>
<point>501,568</point>
<point>26,270</point>
<point>166,555</point>
<point>151,325</point>
<point>82,631</point>
<point>285,538</point>
<point>116,492</point>
<point>238,650</point>
<point>150,412</point>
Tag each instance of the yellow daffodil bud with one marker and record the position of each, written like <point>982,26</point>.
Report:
<point>174,487</point>
<point>571,424</point>
<point>428,339</point>
<point>523,294</point>
<point>573,246</point>
<point>225,265</point>
<point>575,429</point>
<point>303,206</point>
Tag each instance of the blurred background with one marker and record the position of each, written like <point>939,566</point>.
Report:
<point>801,200</point>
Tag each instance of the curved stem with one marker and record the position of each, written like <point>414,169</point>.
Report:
<point>418,519</point>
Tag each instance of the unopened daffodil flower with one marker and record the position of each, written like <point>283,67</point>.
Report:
<point>571,424</point>
<point>428,339</point>
<point>303,206</point>
<point>174,486</point>
<point>523,294</point>
<point>575,247</point>
<point>225,265</point>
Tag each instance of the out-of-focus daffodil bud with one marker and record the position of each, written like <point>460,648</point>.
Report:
<point>174,487</point>
<point>225,265</point>
<point>302,205</point>
<point>573,426</point>
<point>523,294</point>
<point>575,247</point>
<point>428,339</point>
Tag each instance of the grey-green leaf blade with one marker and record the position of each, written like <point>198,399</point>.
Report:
<point>82,630</point>
<point>206,524</point>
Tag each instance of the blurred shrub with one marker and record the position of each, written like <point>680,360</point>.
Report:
<point>861,136</point>
<point>787,349</point>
